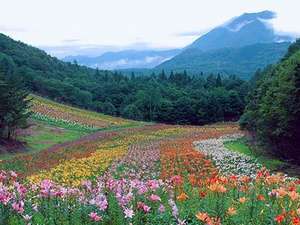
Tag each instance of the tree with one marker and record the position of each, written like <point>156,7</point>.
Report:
<point>132,112</point>
<point>219,81</point>
<point>272,113</point>
<point>108,108</point>
<point>14,107</point>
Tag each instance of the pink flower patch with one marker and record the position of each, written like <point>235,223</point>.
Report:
<point>94,216</point>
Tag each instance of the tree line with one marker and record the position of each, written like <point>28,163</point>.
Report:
<point>272,114</point>
<point>177,98</point>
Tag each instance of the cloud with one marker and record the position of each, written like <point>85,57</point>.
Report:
<point>4,28</point>
<point>192,33</point>
<point>71,41</point>
<point>75,48</point>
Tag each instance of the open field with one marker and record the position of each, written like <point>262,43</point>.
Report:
<point>52,123</point>
<point>137,173</point>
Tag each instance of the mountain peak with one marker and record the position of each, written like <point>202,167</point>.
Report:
<point>247,29</point>
<point>237,23</point>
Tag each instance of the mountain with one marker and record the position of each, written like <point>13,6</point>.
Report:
<point>240,47</point>
<point>47,75</point>
<point>247,29</point>
<point>243,61</point>
<point>125,59</point>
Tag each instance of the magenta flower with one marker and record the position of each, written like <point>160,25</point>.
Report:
<point>13,174</point>
<point>146,208</point>
<point>153,184</point>
<point>154,198</point>
<point>18,207</point>
<point>94,216</point>
<point>161,208</point>
<point>20,189</point>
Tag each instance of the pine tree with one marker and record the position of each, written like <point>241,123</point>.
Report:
<point>14,107</point>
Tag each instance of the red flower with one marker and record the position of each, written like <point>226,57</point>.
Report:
<point>296,221</point>
<point>280,218</point>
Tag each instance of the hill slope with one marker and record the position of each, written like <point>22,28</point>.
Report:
<point>240,47</point>
<point>247,29</point>
<point>242,62</point>
<point>273,108</point>
<point>47,75</point>
<point>52,123</point>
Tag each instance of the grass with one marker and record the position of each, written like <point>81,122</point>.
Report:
<point>42,136</point>
<point>46,137</point>
<point>55,123</point>
<point>242,146</point>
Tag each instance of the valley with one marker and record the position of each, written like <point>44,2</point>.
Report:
<point>145,171</point>
<point>176,118</point>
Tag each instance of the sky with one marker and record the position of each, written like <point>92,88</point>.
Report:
<point>60,26</point>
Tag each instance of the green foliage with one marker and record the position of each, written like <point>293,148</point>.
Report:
<point>243,147</point>
<point>177,98</point>
<point>273,112</point>
<point>132,112</point>
<point>14,106</point>
<point>242,61</point>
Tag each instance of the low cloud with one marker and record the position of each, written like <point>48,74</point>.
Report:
<point>70,41</point>
<point>197,33</point>
<point>4,28</point>
<point>73,47</point>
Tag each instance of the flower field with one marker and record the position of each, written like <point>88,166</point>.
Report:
<point>151,174</point>
<point>71,117</point>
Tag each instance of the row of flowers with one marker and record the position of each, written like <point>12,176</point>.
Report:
<point>228,162</point>
<point>72,172</point>
<point>160,179</point>
<point>52,111</point>
<point>265,199</point>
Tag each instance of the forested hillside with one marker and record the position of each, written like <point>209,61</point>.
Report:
<point>170,98</point>
<point>242,61</point>
<point>272,113</point>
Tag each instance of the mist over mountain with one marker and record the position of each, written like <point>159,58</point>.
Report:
<point>247,29</point>
<point>125,59</point>
<point>240,46</point>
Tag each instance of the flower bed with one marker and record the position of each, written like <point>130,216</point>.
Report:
<point>155,177</point>
<point>228,162</point>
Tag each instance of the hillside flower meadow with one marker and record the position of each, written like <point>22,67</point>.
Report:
<point>151,175</point>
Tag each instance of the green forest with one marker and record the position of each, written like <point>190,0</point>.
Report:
<point>272,113</point>
<point>177,98</point>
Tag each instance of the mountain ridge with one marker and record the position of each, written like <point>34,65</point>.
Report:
<point>224,49</point>
<point>247,29</point>
<point>125,59</point>
<point>243,61</point>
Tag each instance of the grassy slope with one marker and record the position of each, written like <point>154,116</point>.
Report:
<point>53,123</point>
<point>243,147</point>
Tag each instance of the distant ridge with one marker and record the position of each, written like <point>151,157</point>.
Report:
<point>247,29</point>
<point>125,59</point>
<point>240,46</point>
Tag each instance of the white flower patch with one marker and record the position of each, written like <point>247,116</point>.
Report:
<point>228,162</point>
